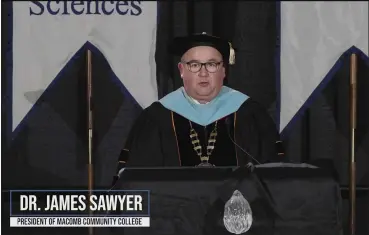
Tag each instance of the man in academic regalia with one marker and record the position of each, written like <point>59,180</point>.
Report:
<point>203,123</point>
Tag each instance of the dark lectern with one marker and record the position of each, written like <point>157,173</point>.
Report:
<point>285,199</point>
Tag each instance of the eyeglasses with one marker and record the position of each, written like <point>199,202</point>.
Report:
<point>195,67</point>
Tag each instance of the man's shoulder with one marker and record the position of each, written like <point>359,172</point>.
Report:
<point>156,111</point>
<point>252,106</point>
<point>155,107</point>
<point>251,103</point>
<point>255,109</point>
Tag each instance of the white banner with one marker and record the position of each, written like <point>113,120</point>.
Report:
<point>313,37</point>
<point>47,34</point>
<point>38,222</point>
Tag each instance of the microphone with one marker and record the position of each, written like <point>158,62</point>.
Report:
<point>116,179</point>
<point>115,182</point>
<point>228,125</point>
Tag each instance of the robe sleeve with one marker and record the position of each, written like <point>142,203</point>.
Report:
<point>143,146</point>
<point>270,145</point>
<point>258,133</point>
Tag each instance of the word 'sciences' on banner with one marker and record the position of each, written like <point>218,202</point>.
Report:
<point>47,35</point>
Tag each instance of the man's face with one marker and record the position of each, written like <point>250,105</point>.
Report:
<point>202,84</point>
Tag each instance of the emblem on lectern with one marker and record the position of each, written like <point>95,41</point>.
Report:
<point>237,214</point>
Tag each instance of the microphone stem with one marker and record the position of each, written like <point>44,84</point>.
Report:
<point>230,137</point>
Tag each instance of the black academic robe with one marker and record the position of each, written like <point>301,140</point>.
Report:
<point>161,138</point>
